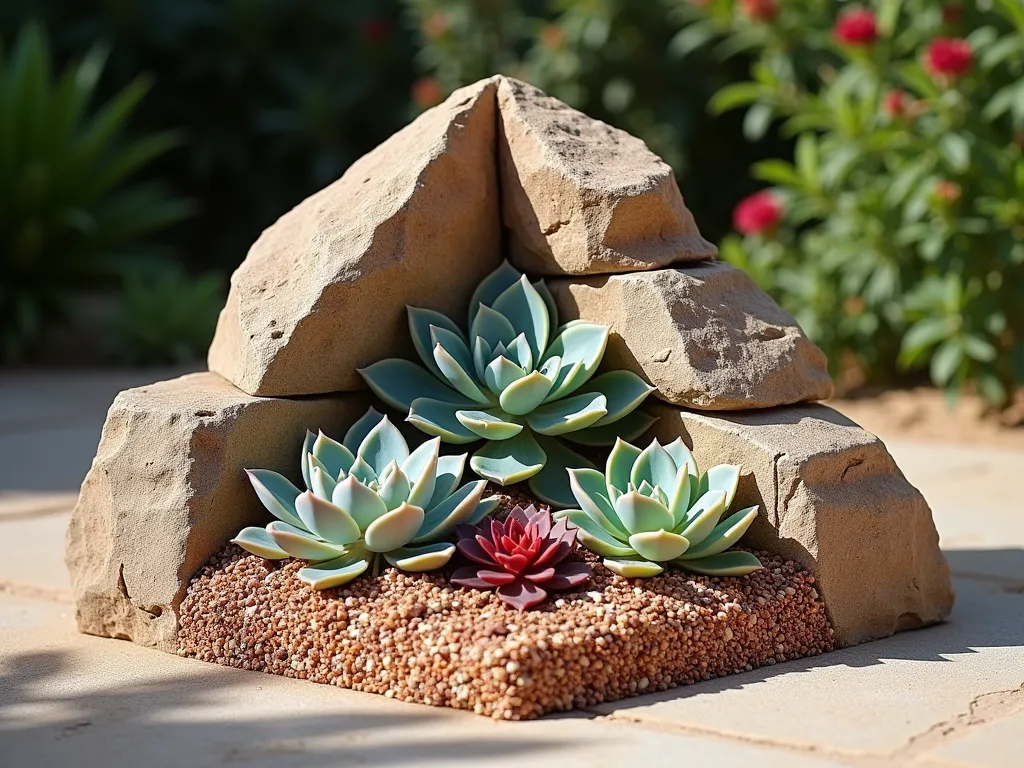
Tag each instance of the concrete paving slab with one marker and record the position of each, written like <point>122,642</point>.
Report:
<point>873,698</point>
<point>16,505</point>
<point>988,744</point>
<point>32,555</point>
<point>76,700</point>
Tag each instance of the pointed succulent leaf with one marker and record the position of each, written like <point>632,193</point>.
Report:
<point>623,390</point>
<point>551,484</point>
<point>277,494</point>
<point>500,373</point>
<point>655,466</point>
<point>679,501</point>
<point>394,490</point>
<point>428,557</point>
<point>334,456</point>
<point>640,514</point>
<point>565,379</point>
<point>702,518</point>
<point>594,537</point>
<point>549,302</point>
<point>482,355</point>
<point>420,322</point>
<point>681,454</point>
<point>509,461</point>
<point>629,427</point>
<point>458,376</point>
<point>620,464</point>
<point>524,395</point>
<point>361,503</point>
<point>483,509</point>
<point>454,343</point>
<point>492,286</point>
<point>439,419</point>
<point>382,445</point>
<point>393,529</point>
<point>724,477</point>
<point>323,483</point>
<point>307,448</point>
<point>333,573</point>
<point>590,489</point>
<point>362,472</point>
<point>493,327</point>
<point>299,543</point>
<point>520,353</point>
<point>735,563</point>
<point>568,415</point>
<point>260,543</point>
<point>449,475</point>
<point>632,569</point>
<point>491,424</point>
<point>454,510</point>
<point>327,520</point>
<point>358,431</point>
<point>525,309</point>
<point>646,489</point>
<point>422,490</point>
<point>398,382</point>
<point>659,546</point>
<point>725,534</point>
<point>422,458</point>
<point>582,343</point>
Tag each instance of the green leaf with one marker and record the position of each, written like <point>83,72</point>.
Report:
<point>362,504</point>
<point>724,477</point>
<point>297,542</point>
<point>524,395</point>
<point>551,484</point>
<point>500,373</point>
<point>700,521</point>
<point>756,121</point>
<point>333,573</point>
<point>491,287</point>
<point>455,510</point>
<point>659,546</point>
<point>525,308</point>
<point>777,172</point>
<point>591,492</point>
<point>277,494</point>
<point>334,456</point>
<point>358,431</point>
<point>979,348</point>
<point>655,466</point>
<point>493,327</point>
<point>458,376</point>
<point>492,424</point>
<point>549,301</point>
<point>568,415</point>
<point>582,343</point>
<point>382,445</point>
<point>440,419</point>
<point>428,557</point>
<point>725,534</point>
<point>946,360</point>
<point>629,427</point>
<point>449,475</point>
<point>620,464</point>
<point>398,382</point>
<point>921,337</point>
<point>956,150</point>
<point>509,461</point>
<point>395,489</point>
<point>260,543</point>
<point>594,537</point>
<point>640,514</point>
<point>632,569</point>
<point>734,563</point>
<point>733,96</point>
<point>420,321</point>
<point>394,529</point>
<point>326,520</point>
<point>623,390</point>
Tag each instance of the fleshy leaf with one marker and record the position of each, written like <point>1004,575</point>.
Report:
<point>458,376</point>
<point>594,537</point>
<point>568,415</point>
<point>500,373</point>
<point>489,424</point>
<point>420,321</point>
<point>454,510</point>
<point>549,302</point>
<point>640,514</point>
<point>422,488</point>
<point>421,459</point>
<point>326,520</point>
<point>725,534</point>
<point>395,490</point>
<point>449,475</point>
<point>398,382</point>
<point>702,518</point>
<point>523,395</point>
<point>382,445</point>
<point>565,379</point>
<point>334,456</point>
<point>481,357</point>
<point>629,427</point>
<point>438,418</point>
<point>362,471</point>
<point>633,569</point>
<point>260,543</point>
<point>655,466</point>
<point>307,448</point>
<point>429,557</point>
<point>483,509</point>
<point>551,484</point>
<point>320,480</point>
<point>590,489</point>
<point>277,494</point>
<point>583,343</point>
<point>520,353</point>
<point>620,464</point>
<point>735,563</point>
<point>679,501</point>
<point>297,542</point>
<point>493,327</point>
<point>623,390</point>
<point>526,310</point>
<point>394,529</point>
<point>681,454</point>
<point>724,477</point>
<point>492,286</point>
<point>522,594</point>
<point>659,546</point>
<point>332,573</point>
<point>358,431</point>
<point>509,461</point>
<point>361,503</point>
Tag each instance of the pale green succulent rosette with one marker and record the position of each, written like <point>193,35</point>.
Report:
<point>517,381</point>
<point>652,507</point>
<point>367,498</point>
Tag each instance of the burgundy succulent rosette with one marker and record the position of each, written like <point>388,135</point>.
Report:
<point>522,558</point>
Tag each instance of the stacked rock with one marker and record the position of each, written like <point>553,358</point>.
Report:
<point>498,170</point>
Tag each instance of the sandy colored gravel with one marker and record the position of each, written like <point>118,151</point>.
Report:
<point>417,638</point>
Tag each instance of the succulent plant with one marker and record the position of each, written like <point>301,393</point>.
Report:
<point>653,507</point>
<point>367,498</point>
<point>515,381</point>
<point>522,558</point>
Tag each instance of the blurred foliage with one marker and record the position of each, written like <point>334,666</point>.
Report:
<point>165,316</point>
<point>70,216</point>
<point>902,241</point>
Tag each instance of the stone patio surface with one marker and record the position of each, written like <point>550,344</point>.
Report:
<point>951,695</point>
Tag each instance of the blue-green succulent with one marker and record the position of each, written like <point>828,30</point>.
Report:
<point>515,380</point>
<point>367,498</point>
<point>653,508</point>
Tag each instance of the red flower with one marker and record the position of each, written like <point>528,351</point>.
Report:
<point>761,212</point>
<point>760,10</point>
<point>894,104</point>
<point>521,558</point>
<point>857,27</point>
<point>948,57</point>
<point>426,92</point>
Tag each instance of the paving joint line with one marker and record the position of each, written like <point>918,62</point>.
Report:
<point>19,589</point>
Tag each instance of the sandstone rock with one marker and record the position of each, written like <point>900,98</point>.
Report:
<point>833,500</point>
<point>323,291</point>
<point>580,197</point>
<point>166,490</point>
<point>705,335</point>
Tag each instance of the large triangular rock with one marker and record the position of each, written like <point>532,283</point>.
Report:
<point>323,291</point>
<point>580,197</point>
<point>705,335</point>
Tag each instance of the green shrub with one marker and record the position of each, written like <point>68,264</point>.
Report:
<point>70,216</point>
<point>898,230</point>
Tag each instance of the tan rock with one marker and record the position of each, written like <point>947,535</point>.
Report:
<point>833,500</point>
<point>705,335</point>
<point>166,490</point>
<point>323,291</point>
<point>581,197</point>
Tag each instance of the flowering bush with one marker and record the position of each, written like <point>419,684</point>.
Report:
<point>896,234</point>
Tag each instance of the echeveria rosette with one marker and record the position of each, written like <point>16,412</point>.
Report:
<point>522,559</point>
<point>367,498</point>
<point>517,382</point>
<point>652,507</point>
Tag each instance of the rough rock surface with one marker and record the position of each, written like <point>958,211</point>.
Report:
<point>705,335</point>
<point>166,490</point>
<point>323,291</point>
<point>580,197</point>
<point>833,500</point>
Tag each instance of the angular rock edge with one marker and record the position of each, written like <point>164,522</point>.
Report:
<point>418,639</point>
